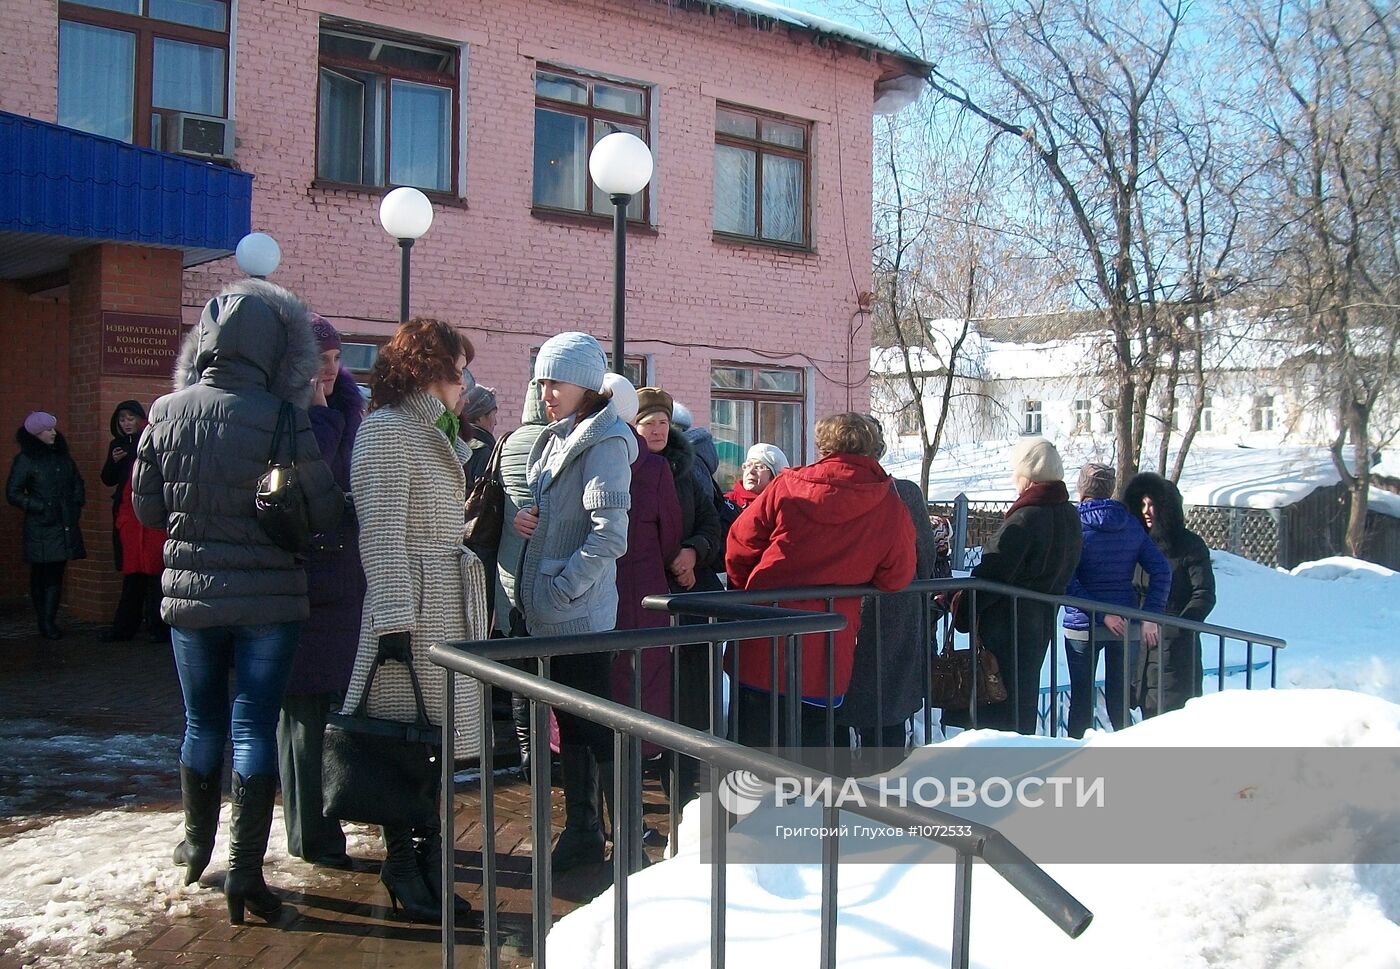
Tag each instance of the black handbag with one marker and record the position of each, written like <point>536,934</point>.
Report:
<point>951,671</point>
<point>484,511</point>
<point>378,771</point>
<point>280,502</point>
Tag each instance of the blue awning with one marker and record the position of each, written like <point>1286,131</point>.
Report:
<point>62,190</point>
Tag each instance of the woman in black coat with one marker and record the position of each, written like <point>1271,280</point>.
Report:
<point>45,484</point>
<point>1174,664</point>
<point>1036,548</point>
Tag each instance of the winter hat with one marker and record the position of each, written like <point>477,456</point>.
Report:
<point>681,416</point>
<point>654,400</point>
<point>770,455</point>
<point>1096,481</point>
<point>326,336</point>
<point>624,396</point>
<point>480,402</point>
<point>1035,459</point>
<point>572,358</point>
<point>39,422</point>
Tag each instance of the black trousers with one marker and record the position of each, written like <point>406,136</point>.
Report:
<point>139,602</point>
<point>301,727</point>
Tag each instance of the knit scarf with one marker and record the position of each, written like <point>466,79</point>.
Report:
<point>1040,493</point>
<point>450,424</point>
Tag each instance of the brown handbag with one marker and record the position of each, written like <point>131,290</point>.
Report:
<point>484,511</point>
<point>951,671</point>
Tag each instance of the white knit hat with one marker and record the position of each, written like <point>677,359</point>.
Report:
<point>1035,459</point>
<point>572,358</point>
<point>624,395</point>
<point>770,455</point>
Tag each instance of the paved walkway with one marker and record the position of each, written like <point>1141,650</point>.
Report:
<point>60,701</point>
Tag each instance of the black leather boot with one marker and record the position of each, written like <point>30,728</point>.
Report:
<point>402,878</point>
<point>248,831</point>
<point>581,842</point>
<point>201,797</point>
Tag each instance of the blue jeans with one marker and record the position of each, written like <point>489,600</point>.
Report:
<point>1082,666</point>
<point>261,657</point>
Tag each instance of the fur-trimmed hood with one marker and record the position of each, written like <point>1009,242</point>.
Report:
<point>131,407</point>
<point>679,454</point>
<point>35,448</point>
<point>253,333</point>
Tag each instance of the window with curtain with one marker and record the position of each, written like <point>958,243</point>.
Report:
<point>756,405</point>
<point>126,67</point>
<point>386,110</point>
<point>573,112</point>
<point>1032,422</point>
<point>761,176</point>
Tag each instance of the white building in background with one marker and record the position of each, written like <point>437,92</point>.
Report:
<point>1014,379</point>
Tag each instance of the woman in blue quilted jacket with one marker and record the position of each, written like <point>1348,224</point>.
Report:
<point>1115,544</point>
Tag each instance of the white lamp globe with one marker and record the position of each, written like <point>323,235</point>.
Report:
<point>406,213</point>
<point>258,254</point>
<point>620,164</point>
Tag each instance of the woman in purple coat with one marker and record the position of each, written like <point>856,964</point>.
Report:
<point>336,587</point>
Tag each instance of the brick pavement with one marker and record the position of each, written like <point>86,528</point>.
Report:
<point>339,919</point>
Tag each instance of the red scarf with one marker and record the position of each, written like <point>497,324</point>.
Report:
<point>1040,493</point>
<point>741,496</point>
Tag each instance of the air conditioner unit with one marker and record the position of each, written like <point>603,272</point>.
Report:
<point>199,135</point>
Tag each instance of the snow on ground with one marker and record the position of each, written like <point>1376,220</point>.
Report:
<point>1236,477</point>
<point>1340,617</point>
<point>78,883</point>
<point>1169,916</point>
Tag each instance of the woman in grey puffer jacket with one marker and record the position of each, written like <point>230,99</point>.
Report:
<point>230,593</point>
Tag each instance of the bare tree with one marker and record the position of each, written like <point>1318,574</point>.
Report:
<point>1329,104</point>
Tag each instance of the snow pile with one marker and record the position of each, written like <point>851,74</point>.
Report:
<point>1169,916</point>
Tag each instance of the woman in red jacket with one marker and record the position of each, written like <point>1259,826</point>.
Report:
<point>836,522</point>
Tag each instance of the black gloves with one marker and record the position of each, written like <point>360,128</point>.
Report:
<point>394,646</point>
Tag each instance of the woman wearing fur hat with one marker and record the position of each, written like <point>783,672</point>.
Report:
<point>335,585</point>
<point>45,484</point>
<point>1172,668</point>
<point>138,549</point>
<point>424,587</point>
<point>1036,548</point>
<point>232,595</point>
<point>580,478</point>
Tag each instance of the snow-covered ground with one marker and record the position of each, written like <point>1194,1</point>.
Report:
<point>84,880</point>
<point>1341,666</point>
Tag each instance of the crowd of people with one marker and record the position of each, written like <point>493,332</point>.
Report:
<point>610,494</point>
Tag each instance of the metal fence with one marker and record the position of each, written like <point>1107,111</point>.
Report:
<point>734,617</point>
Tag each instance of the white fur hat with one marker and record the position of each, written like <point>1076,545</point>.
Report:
<point>624,395</point>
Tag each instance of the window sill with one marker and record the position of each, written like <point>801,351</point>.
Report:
<point>566,217</point>
<point>746,241</point>
<point>447,199</point>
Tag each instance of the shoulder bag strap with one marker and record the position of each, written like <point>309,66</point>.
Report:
<point>284,419</point>
<point>360,707</point>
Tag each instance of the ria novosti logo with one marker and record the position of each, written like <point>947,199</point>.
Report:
<point>741,792</point>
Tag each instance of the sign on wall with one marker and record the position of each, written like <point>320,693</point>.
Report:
<point>139,345</point>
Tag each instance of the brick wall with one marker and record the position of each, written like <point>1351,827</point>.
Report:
<point>513,279</point>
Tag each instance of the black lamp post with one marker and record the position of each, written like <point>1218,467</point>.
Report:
<point>621,166</point>
<point>405,214</point>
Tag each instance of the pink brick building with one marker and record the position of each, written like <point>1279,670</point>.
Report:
<point>748,260</point>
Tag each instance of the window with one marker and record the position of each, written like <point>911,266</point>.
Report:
<point>1262,418</point>
<point>1106,419</point>
<point>761,176</point>
<point>1081,416</point>
<point>1206,422</point>
<point>751,405</point>
<point>358,358</point>
<point>126,67</point>
<point>386,110</point>
<point>572,114</point>
<point>1032,422</point>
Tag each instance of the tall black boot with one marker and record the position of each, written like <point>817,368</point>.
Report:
<point>200,796</point>
<point>403,878</point>
<point>128,616</point>
<point>520,715</point>
<point>428,848</point>
<point>52,595</point>
<point>581,842</point>
<point>248,831</point>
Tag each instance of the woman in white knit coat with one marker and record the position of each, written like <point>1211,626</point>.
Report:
<point>423,586</point>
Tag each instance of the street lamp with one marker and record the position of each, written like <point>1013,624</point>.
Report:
<point>621,166</point>
<point>258,254</point>
<point>405,213</point>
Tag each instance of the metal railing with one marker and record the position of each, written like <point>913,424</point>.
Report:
<point>733,617</point>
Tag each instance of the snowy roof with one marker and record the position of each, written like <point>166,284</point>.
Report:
<point>1234,477</point>
<point>820,26</point>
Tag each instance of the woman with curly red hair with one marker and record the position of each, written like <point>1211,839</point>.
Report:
<point>422,585</point>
